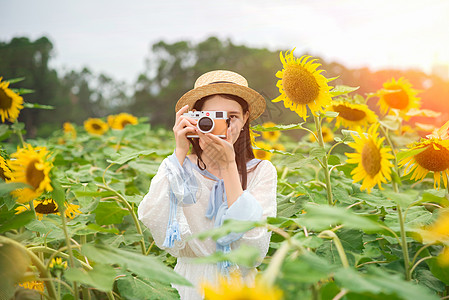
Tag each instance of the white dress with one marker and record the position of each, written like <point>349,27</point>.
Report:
<point>154,211</point>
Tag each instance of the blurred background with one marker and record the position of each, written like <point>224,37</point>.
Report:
<point>96,58</point>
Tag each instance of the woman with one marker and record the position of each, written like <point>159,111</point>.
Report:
<point>219,180</point>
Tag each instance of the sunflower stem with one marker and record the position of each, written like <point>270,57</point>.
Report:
<point>404,244</point>
<point>19,134</point>
<point>396,167</point>
<point>270,274</point>
<point>324,164</point>
<point>31,204</point>
<point>69,249</point>
<point>131,211</point>
<point>329,234</point>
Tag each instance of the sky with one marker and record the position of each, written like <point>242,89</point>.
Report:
<point>114,37</point>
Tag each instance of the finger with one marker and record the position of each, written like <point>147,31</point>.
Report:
<point>181,112</point>
<point>183,123</point>
<point>229,135</point>
<point>187,130</point>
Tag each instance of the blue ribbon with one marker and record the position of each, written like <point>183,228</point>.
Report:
<point>216,199</point>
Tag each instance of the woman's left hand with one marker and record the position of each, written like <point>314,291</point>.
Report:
<point>220,152</point>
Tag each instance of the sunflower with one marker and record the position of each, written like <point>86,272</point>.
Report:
<point>398,95</point>
<point>271,136</point>
<point>233,288</point>
<point>328,135</point>
<point>439,232</point>
<point>123,119</point>
<point>441,133</point>
<point>49,206</point>
<point>301,85</point>
<point>31,166</point>
<point>4,169</point>
<point>352,115</point>
<point>69,129</point>
<point>434,157</point>
<point>261,154</point>
<point>57,266</point>
<point>10,103</point>
<point>110,120</point>
<point>278,147</point>
<point>373,162</point>
<point>95,126</point>
<point>58,263</point>
<point>33,285</point>
<point>252,136</point>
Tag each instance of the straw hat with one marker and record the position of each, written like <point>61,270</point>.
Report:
<point>224,82</point>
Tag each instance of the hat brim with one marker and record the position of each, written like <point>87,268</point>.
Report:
<point>256,103</point>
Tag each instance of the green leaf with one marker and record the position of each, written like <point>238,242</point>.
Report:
<point>404,199</point>
<point>317,152</point>
<point>278,127</point>
<point>307,268</point>
<point>43,226</point>
<point>4,132</point>
<point>245,255</point>
<point>98,228</point>
<point>435,196</point>
<point>405,154</point>
<point>14,263</point>
<point>391,122</point>
<point>295,161</point>
<point>333,160</point>
<point>8,187</point>
<point>14,80</point>
<point>236,226</point>
<point>440,272</point>
<point>342,90</point>
<point>377,281</point>
<point>121,159</point>
<point>136,288</point>
<point>108,213</point>
<point>58,194</point>
<point>426,278</point>
<point>100,277</point>
<point>320,217</point>
<point>22,91</point>
<point>17,221</point>
<point>39,106</point>
<point>146,266</point>
<point>329,114</point>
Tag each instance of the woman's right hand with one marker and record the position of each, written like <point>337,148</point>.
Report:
<point>183,126</point>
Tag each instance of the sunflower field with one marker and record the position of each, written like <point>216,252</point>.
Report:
<point>362,201</point>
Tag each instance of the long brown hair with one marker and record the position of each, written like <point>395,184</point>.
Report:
<point>242,147</point>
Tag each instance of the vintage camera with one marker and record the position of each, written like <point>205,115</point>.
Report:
<point>215,122</point>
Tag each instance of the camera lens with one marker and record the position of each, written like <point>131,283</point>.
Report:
<point>205,124</point>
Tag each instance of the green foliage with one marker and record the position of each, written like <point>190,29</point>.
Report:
<point>352,248</point>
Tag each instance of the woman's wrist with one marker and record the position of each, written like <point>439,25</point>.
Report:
<point>181,155</point>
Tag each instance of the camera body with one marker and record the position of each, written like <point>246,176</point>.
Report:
<point>215,122</point>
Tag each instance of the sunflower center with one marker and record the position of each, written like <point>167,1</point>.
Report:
<point>300,85</point>
<point>96,126</point>
<point>2,174</point>
<point>34,176</point>
<point>398,100</point>
<point>5,100</point>
<point>348,113</point>
<point>45,209</point>
<point>125,122</point>
<point>432,159</point>
<point>262,154</point>
<point>371,158</point>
